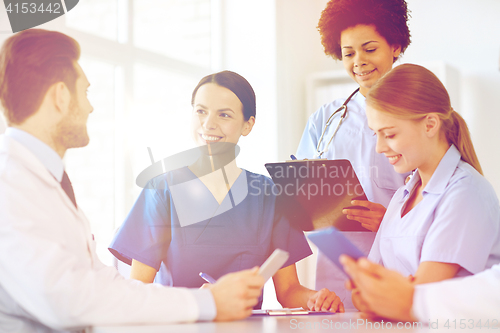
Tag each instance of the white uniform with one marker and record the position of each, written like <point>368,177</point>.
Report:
<point>355,142</point>
<point>466,300</point>
<point>50,277</point>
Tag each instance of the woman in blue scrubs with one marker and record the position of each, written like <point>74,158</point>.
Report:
<point>212,216</point>
<point>445,222</point>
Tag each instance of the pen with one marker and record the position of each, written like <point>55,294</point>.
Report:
<point>293,157</point>
<point>207,278</point>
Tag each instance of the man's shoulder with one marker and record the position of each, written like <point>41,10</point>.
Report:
<point>11,167</point>
<point>19,168</point>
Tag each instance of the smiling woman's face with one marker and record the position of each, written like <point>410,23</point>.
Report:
<point>218,116</point>
<point>366,55</point>
<point>402,141</point>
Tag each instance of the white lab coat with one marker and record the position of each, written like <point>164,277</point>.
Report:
<point>469,299</point>
<point>50,276</point>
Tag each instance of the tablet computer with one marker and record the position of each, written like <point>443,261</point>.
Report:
<point>273,263</point>
<point>333,243</point>
<point>313,193</point>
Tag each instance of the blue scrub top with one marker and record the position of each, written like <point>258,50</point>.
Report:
<point>177,227</point>
<point>457,222</point>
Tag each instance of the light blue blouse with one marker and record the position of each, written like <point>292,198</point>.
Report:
<point>457,221</point>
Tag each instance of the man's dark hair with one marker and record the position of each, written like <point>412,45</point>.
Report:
<point>30,62</point>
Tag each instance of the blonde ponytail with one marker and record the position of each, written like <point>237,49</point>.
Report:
<point>457,132</point>
<point>410,92</point>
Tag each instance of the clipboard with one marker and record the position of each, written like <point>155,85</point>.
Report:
<point>313,193</point>
<point>288,312</point>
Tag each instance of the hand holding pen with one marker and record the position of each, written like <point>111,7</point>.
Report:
<point>207,278</point>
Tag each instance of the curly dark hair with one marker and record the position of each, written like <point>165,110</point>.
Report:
<point>389,17</point>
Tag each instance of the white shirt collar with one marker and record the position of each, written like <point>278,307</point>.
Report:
<point>441,176</point>
<point>49,158</point>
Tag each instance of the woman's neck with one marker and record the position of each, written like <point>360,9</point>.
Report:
<point>364,91</point>
<point>209,162</point>
<point>214,164</point>
<point>219,180</point>
<point>433,158</point>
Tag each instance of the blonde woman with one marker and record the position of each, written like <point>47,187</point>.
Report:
<point>445,221</point>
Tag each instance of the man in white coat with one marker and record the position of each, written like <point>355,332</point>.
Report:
<point>470,302</point>
<point>50,277</point>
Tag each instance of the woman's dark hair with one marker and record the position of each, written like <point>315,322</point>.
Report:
<point>388,16</point>
<point>237,84</point>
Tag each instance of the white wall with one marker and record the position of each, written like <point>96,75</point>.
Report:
<point>463,34</point>
<point>299,53</point>
<point>249,48</point>
<point>466,35</point>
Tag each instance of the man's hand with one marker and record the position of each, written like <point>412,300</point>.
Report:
<point>369,219</point>
<point>380,291</point>
<point>325,300</point>
<point>235,294</point>
<point>357,299</point>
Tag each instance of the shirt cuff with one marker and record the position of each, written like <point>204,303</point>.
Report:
<point>419,310</point>
<point>206,304</point>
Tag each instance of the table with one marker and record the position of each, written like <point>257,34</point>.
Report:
<point>344,322</point>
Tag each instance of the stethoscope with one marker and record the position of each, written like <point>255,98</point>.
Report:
<point>329,122</point>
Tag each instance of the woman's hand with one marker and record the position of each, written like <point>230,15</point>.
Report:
<point>325,300</point>
<point>369,219</point>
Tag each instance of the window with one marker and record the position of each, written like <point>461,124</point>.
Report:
<point>155,53</point>
<point>105,18</point>
<point>92,168</point>
<point>179,29</point>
